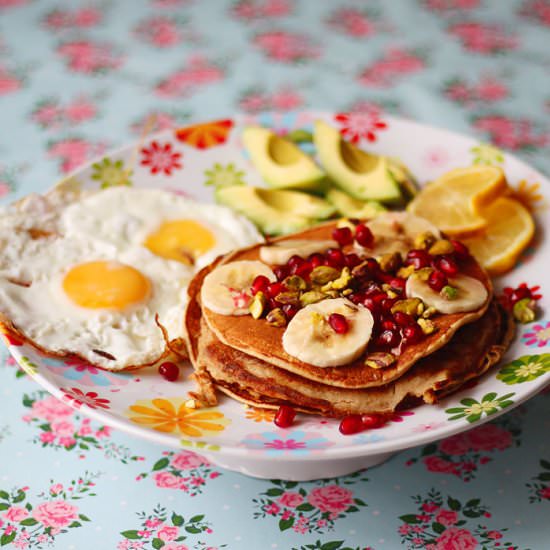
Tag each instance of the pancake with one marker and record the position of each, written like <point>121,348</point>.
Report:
<point>261,340</point>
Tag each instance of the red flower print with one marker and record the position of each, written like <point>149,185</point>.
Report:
<point>449,5</point>
<point>161,158</point>
<point>159,31</point>
<point>360,125</point>
<point>394,64</point>
<point>76,397</point>
<point>88,57</point>
<point>286,47</point>
<point>254,9</point>
<point>9,82</point>
<point>537,10</point>
<point>454,538</point>
<point>484,39</point>
<point>352,22</point>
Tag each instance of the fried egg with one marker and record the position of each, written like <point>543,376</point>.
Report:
<point>91,274</point>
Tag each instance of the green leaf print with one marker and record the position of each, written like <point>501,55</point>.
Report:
<point>525,369</point>
<point>473,410</point>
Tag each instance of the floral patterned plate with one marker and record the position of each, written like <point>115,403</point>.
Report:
<point>191,161</point>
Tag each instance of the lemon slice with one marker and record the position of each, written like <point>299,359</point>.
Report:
<point>510,228</point>
<point>454,201</point>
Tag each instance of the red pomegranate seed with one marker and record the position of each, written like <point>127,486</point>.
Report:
<point>259,284</point>
<point>342,235</point>
<point>388,324</point>
<point>398,284</point>
<point>169,371</point>
<point>403,319</point>
<point>372,421</point>
<point>338,323</point>
<point>418,257</point>
<point>272,304</point>
<point>315,260</point>
<point>295,261</point>
<point>412,334</point>
<point>351,424</point>
<point>387,303</point>
<point>437,280</point>
<point>335,257</point>
<point>370,304</point>
<point>285,416</point>
<point>461,250</point>
<point>364,236</point>
<point>352,260</point>
<point>273,289</point>
<point>281,272</point>
<point>303,270</point>
<point>388,339</point>
<point>448,265</point>
<point>289,310</point>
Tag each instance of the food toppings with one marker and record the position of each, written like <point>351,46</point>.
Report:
<point>355,423</point>
<point>521,301</point>
<point>169,371</point>
<point>284,417</point>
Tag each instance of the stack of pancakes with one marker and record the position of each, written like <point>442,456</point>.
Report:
<point>244,357</point>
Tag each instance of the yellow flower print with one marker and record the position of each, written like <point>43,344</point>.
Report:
<point>170,415</point>
<point>260,415</point>
<point>528,194</point>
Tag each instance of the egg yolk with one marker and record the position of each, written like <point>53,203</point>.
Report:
<point>181,240</point>
<point>100,284</point>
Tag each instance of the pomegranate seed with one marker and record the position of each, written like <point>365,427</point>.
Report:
<point>289,310</point>
<point>364,236</point>
<point>418,257</point>
<point>437,280</point>
<point>412,334</point>
<point>285,416</point>
<point>388,324</point>
<point>273,289</point>
<point>398,284</point>
<point>343,236</point>
<point>295,260</point>
<point>372,421</point>
<point>303,270</point>
<point>388,339</point>
<point>351,424</point>
<point>335,257</point>
<point>371,305</point>
<point>461,250</point>
<point>384,277</point>
<point>338,323</point>
<point>376,294</point>
<point>169,371</point>
<point>352,260</point>
<point>403,319</point>
<point>315,260</point>
<point>281,272</point>
<point>519,294</point>
<point>259,284</point>
<point>386,304</point>
<point>447,264</point>
<point>272,304</point>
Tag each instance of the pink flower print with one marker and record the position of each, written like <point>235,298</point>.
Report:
<point>55,513</point>
<point>104,431</point>
<point>254,102</point>
<point>272,509</point>
<point>287,514</point>
<point>56,489</point>
<point>78,398</point>
<point>153,523</point>
<point>276,8</point>
<point>331,498</point>
<point>15,514</point>
<point>10,529</point>
<point>495,535</point>
<point>51,409</point>
<point>280,442</point>
<point>67,441</point>
<point>404,529</point>
<point>5,188</point>
<point>544,493</point>
<point>167,533</point>
<point>538,336</point>
<point>286,47</point>
<point>47,437</point>
<point>290,499</point>
<point>167,480</point>
<point>161,158</point>
<point>86,17</point>
<point>183,82</point>
<point>454,538</point>
<point>186,460</point>
<point>436,464</point>
<point>85,428</point>
<point>458,91</point>
<point>12,3</point>
<point>446,517</point>
<point>489,437</point>
<point>73,152</point>
<point>8,82</point>
<point>88,57</point>
<point>455,445</point>
<point>484,39</point>
<point>538,10</point>
<point>253,9</point>
<point>352,21</point>
<point>80,110</point>
<point>47,115</point>
<point>301,526</point>
<point>286,100</point>
<point>58,19</point>
<point>159,31</point>
<point>63,428</point>
<point>395,64</point>
<point>430,507</point>
<point>490,89</point>
<point>360,125</point>
<point>172,546</point>
<point>444,5</point>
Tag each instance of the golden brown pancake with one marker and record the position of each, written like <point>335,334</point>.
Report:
<point>257,338</point>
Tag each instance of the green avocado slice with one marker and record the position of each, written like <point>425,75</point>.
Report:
<point>362,175</point>
<point>280,162</point>
<point>352,208</point>
<point>275,211</point>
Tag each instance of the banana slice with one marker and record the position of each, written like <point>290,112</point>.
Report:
<point>471,294</point>
<point>311,339</point>
<point>226,290</point>
<point>395,232</point>
<point>280,253</point>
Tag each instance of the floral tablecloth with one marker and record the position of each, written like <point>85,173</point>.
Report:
<point>79,77</point>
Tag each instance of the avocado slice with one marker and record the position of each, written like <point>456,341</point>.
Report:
<point>362,175</point>
<point>352,208</point>
<point>403,176</point>
<point>275,211</point>
<point>280,162</point>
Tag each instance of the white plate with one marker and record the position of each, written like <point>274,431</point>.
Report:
<point>313,447</point>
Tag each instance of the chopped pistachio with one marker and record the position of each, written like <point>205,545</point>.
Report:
<point>442,246</point>
<point>340,283</point>
<point>449,292</point>
<point>331,293</point>
<point>424,273</point>
<point>295,282</point>
<point>392,294</point>
<point>317,319</point>
<point>380,360</point>
<point>257,305</point>
<point>276,317</point>
<point>524,310</point>
<point>347,292</point>
<point>427,326</point>
<point>409,305</point>
<point>361,270</point>
<point>311,297</point>
<point>390,262</point>
<point>323,274</point>
<point>424,240</point>
<point>406,272</point>
<point>288,297</point>
<point>420,309</point>
<point>428,312</point>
